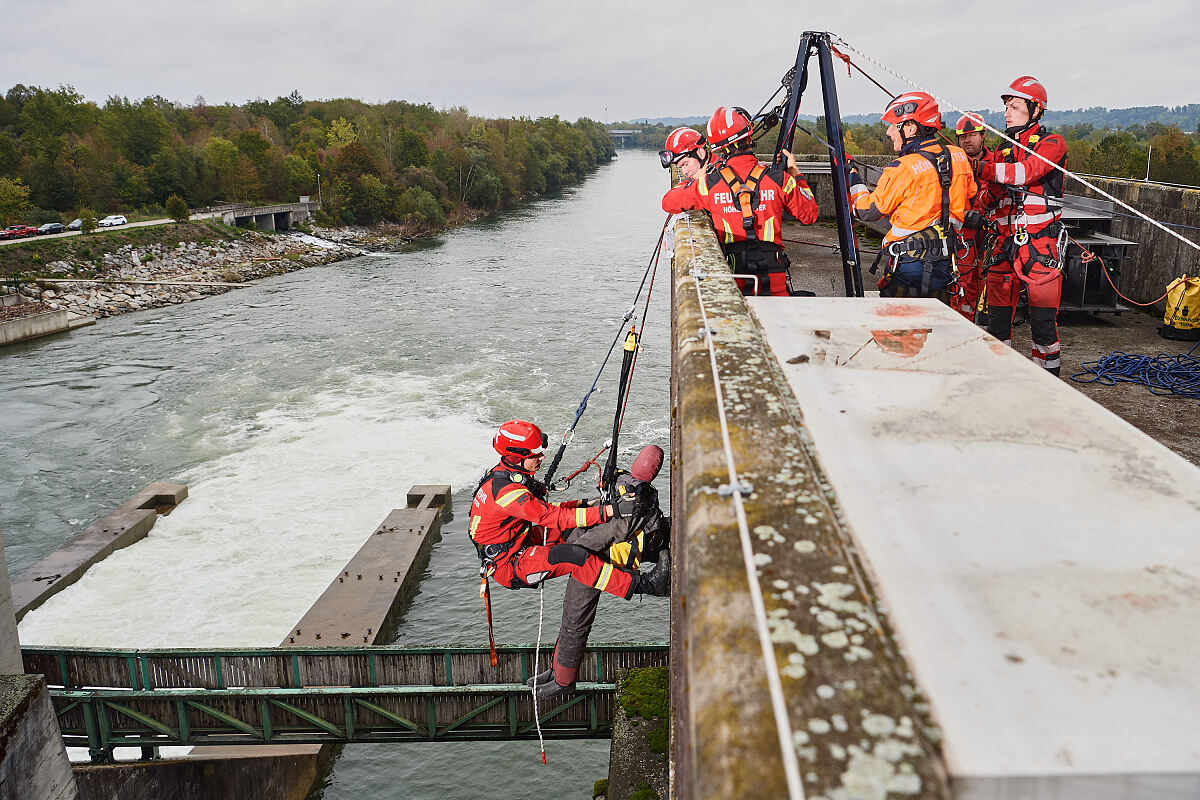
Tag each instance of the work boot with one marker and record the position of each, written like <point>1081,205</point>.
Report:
<point>656,582</point>
<point>541,678</point>
<point>552,690</point>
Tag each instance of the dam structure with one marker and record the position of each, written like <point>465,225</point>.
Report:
<point>873,595</point>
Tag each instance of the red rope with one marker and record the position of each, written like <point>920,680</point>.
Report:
<point>1088,256</point>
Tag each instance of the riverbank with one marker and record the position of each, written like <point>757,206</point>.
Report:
<point>106,276</point>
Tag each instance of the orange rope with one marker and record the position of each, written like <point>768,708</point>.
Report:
<point>1088,256</point>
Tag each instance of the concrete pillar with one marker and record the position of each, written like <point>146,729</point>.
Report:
<point>33,761</point>
<point>10,646</point>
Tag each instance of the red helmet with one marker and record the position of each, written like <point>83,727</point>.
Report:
<point>519,438</point>
<point>728,125</point>
<point>1027,88</point>
<point>916,106</point>
<point>680,142</point>
<point>969,123</point>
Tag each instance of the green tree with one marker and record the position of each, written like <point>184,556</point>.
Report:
<point>409,149</point>
<point>87,220</point>
<point>177,208</point>
<point>417,206</point>
<point>221,156</point>
<point>14,200</point>
<point>300,176</point>
<point>340,133</point>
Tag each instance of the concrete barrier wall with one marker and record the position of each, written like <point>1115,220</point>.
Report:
<point>843,696</point>
<point>1159,257</point>
<point>33,763</point>
<point>31,327</point>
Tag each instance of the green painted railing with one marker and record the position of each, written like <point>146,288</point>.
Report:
<point>239,696</point>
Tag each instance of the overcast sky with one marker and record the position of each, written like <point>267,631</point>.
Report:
<point>608,61</point>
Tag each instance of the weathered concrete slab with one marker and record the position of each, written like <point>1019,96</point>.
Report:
<point>129,523</point>
<point>854,727</point>
<point>361,603</point>
<point>33,763</point>
<point>10,645</point>
<point>1037,555</point>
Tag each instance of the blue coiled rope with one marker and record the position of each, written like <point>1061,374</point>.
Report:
<point>1161,374</point>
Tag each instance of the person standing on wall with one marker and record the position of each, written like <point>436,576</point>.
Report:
<point>746,200</point>
<point>973,237</point>
<point>1026,192</point>
<point>924,194</point>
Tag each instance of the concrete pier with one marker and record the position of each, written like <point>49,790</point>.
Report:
<point>33,762</point>
<point>128,524</point>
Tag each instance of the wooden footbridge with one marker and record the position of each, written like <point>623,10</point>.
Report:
<point>152,698</point>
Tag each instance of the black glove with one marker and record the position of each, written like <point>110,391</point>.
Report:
<point>974,220</point>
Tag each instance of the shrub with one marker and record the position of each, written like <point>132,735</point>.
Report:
<point>177,208</point>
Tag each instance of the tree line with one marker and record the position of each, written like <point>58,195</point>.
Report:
<point>1172,153</point>
<point>398,161</point>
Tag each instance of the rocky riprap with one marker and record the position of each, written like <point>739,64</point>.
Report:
<point>250,257</point>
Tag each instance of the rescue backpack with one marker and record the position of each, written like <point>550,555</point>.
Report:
<point>1182,317</point>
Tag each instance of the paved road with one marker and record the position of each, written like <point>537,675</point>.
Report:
<point>205,215</point>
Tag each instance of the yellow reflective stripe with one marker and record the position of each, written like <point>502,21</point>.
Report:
<point>602,582</point>
<point>619,553</point>
<point>474,527</point>
<point>703,186</point>
<point>580,517</point>
<point>509,495</point>
<point>728,232</point>
<point>769,230</point>
<point>789,184</point>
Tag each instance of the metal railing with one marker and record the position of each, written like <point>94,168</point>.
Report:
<point>235,696</point>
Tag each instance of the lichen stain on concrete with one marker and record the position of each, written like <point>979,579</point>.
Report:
<point>848,703</point>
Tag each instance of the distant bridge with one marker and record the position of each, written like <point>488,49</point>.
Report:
<point>623,136</point>
<point>279,217</point>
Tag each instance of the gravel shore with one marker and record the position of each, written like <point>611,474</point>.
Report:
<point>250,257</point>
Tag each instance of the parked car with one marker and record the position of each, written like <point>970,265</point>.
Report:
<point>112,219</point>
<point>51,227</point>
<point>75,225</point>
<point>18,232</point>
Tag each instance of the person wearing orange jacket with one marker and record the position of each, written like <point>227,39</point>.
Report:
<point>746,200</point>
<point>924,194</point>
<point>522,540</point>
<point>686,149</point>
<point>1026,192</point>
<point>970,258</point>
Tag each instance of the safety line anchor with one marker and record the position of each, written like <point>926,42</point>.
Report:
<point>726,490</point>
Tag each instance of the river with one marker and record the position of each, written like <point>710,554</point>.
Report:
<point>300,410</point>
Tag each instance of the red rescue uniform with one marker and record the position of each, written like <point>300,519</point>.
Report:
<point>1026,195</point>
<point>746,200</point>
<point>970,258</point>
<point>509,522</point>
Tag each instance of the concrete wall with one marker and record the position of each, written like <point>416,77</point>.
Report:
<point>10,645</point>
<point>1159,257</point>
<point>286,776</point>
<point>33,763</point>
<point>22,328</point>
<point>725,740</point>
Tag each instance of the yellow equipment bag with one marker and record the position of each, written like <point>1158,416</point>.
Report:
<point>1182,317</point>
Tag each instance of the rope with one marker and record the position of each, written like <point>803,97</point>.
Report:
<point>1015,143</point>
<point>1162,374</point>
<point>569,434</point>
<point>1087,256</point>
<point>737,489</point>
<point>537,651</point>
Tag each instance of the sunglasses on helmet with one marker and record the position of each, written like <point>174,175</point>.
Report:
<point>905,108</point>
<point>667,158</point>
